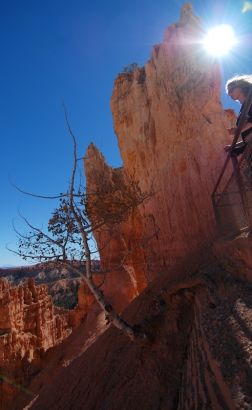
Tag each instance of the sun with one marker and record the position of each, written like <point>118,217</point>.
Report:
<point>220,39</point>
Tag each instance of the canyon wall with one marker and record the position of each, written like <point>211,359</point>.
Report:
<point>30,325</point>
<point>171,131</point>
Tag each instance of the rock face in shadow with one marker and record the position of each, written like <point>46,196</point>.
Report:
<point>200,357</point>
<point>235,255</point>
<point>171,131</point>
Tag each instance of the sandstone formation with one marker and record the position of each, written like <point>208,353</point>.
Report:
<point>200,358</point>
<point>30,325</point>
<point>85,301</point>
<point>62,282</point>
<point>124,284</point>
<point>171,131</point>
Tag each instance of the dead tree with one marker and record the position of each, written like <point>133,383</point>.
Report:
<point>71,227</point>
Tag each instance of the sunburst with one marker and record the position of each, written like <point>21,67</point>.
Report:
<point>220,40</point>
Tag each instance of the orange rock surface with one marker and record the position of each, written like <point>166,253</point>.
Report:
<point>122,285</point>
<point>85,301</point>
<point>29,326</point>
<point>171,131</point>
<point>200,358</point>
<point>29,310</point>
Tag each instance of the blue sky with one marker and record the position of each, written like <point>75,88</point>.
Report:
<point>74,49</point>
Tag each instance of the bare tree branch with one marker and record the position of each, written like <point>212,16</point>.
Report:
<point>79,215</point>
<point>37,196</point>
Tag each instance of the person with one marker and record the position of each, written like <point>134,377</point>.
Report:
<point>238,88</point>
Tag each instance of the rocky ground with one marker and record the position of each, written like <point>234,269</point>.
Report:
<point>200,357</point>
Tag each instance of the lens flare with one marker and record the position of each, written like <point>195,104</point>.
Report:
<point>17,386</point>
<point>220,39</point>
<point>246,6</point>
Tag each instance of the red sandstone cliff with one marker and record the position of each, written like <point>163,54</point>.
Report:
<point>171,131</point>
<point>29,326</point>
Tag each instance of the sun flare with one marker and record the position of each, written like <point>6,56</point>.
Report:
<point>220,39</point>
